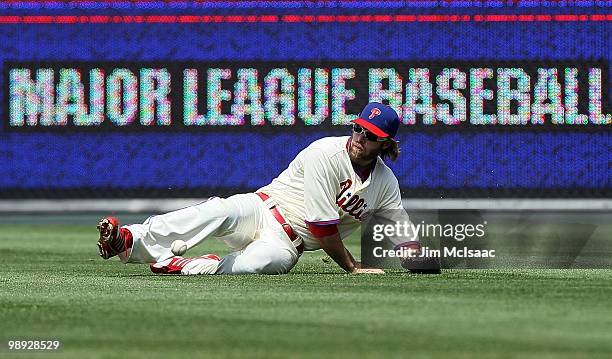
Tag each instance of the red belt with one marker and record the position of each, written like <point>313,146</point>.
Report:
<point>295,239</point>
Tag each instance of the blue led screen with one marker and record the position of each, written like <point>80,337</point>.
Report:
<point>454,156</point>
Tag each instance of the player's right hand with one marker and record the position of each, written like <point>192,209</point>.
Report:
<point>367,271</point>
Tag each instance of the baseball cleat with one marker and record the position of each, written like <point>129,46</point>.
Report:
<point>110,242</point>
<point>176,265</point>
<point>172,265</point>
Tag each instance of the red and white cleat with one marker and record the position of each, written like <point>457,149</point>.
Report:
<point>172,265</point>
<point>206,264</point>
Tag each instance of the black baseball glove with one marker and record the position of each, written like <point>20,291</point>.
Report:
<point>415,263</point>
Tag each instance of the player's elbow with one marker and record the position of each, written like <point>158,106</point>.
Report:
<point>323,231</point>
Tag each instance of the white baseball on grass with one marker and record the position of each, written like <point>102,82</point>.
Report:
<point>178,247</point>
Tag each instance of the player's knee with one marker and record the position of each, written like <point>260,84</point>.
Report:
<point>262,265</point>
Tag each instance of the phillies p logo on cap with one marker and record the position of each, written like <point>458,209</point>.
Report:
<point>374,112</point>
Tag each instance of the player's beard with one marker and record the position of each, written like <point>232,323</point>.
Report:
<point>360,154</point>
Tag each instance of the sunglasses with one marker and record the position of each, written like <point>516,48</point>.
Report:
<point>368,135</point>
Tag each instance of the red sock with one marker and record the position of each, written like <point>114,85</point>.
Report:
<point>126,235</point>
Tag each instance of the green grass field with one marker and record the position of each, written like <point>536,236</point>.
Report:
<point>54,285</point>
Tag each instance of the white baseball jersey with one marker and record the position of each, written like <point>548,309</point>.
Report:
<point>321,187</point>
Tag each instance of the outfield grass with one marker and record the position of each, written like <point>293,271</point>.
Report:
<point>54,285</point>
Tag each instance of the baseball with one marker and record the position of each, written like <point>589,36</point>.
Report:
<point>178,247</point>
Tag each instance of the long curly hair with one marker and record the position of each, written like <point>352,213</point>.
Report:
<point>392,152</point>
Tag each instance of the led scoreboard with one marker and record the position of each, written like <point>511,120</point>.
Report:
<point>148,98</point>
<point>322,95</point>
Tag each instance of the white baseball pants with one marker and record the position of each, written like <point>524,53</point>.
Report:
<point>242,221</point>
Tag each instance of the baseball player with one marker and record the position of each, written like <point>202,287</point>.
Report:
<point>315,203</point>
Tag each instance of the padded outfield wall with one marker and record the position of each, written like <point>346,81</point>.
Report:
<point>156,99</point>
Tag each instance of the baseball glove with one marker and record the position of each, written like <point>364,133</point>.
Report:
<point>417,264</point>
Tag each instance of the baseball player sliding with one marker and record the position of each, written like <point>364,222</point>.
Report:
<point>314,204</point>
